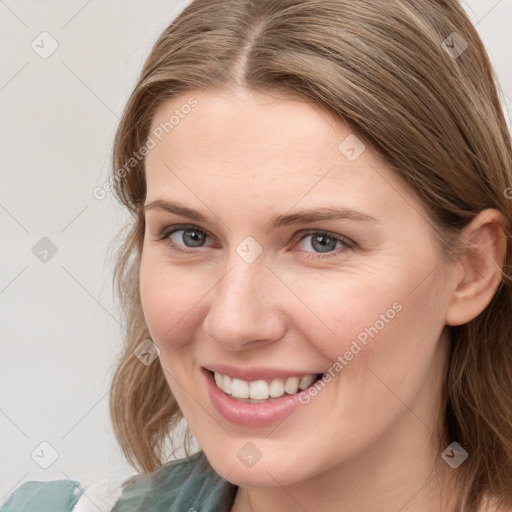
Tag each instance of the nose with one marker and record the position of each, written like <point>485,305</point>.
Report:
<point>245,310</point>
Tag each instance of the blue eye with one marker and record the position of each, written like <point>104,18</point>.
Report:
<point>186,238</point>
<point>190,237</point>
<point>323,242</point>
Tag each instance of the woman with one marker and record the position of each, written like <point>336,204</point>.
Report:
<point>317,276</point>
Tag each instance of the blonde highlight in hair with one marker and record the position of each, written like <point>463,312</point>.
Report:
<point>435,119</point>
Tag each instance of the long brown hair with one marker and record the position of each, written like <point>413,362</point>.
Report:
<point>410,77</point>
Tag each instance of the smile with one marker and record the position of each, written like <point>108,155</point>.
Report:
<point>231,395</point>
<point>261,390</point>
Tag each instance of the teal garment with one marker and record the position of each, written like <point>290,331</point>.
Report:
<point>56,496</point>
<point>186,485</point>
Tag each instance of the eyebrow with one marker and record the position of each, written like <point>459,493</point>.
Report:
<point>285,219</point>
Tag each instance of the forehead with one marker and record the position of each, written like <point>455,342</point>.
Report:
<point>265,146</point>
<point>247,125</point>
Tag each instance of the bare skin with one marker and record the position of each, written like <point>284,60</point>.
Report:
<point>366,441</point>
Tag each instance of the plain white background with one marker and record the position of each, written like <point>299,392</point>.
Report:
<point>60,329</point>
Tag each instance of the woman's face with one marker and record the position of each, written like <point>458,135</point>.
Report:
<point>262,278</point>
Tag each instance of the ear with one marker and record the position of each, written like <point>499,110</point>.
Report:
<point>479,269</point>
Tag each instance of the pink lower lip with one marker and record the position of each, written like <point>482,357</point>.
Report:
<point>247,414</point>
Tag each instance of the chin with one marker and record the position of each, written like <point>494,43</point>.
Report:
<point>271,471</point>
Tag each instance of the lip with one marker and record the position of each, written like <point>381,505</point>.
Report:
<point>251,414</point>
<point>253,374</point>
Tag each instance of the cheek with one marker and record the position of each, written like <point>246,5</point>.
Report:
<point>388,325</point>
<point>170,302</point>
<point>345,308</point>
<point>382,356</point>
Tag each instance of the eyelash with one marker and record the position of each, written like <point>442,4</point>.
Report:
<point>165,234</point>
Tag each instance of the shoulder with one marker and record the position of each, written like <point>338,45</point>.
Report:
<point>99,495</point>
<point>54,496</point>
<point>178,486</point>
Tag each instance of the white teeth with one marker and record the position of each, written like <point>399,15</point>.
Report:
<point>226,384</point>
<point>258,390</point>
<point>262,389</point>
<point>306,381</point>
<point>239,388</point>
<point>292,385</point>
<point>276,388</point>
